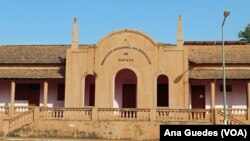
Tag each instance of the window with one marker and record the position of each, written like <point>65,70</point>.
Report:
<point>162,91</point>
<point>60,92</point>
<point>228,88</point>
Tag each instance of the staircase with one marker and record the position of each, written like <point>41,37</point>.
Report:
<point>19,121</point>
<point>230,119</point>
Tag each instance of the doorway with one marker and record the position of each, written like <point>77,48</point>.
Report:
<point>29,92</point>
<point>198,96</point>
<point>129,95</point>
<point>125,90</point>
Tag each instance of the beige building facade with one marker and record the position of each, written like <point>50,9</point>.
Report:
<point>125,81</point>
<point>128,62</point>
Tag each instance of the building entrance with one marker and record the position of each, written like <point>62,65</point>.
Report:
<point>125,89</point>
<point>129,95</point>
<point>29,92</point>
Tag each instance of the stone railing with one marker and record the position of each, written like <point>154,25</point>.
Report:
<point>240,114</point>
<point>123,114</point>
<point>4,111</point>
<point>20,109</point>
<point>180,116</point>
<point>66,113</point>
<point>230,119</point>
<point>214,116</point>
<point>201,115</point>
<point>21,120</point>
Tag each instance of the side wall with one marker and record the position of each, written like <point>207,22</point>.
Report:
<point>235,99</point>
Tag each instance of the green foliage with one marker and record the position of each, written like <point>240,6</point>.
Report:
<point>245,35</point>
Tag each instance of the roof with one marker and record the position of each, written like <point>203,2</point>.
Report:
<point>32,73</point>
<point>215,42</point>
<point>217,74</point>
<point>34,54</point>
<point>198,53</point>
<point>209,54</point>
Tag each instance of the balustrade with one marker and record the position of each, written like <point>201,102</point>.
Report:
<point>183,115</point>
<point>4,111</point>
<point>230,119</point>
<point>240,114</point>
<point>123,114</point>
<point>66,113</point>
<point>20,109</point>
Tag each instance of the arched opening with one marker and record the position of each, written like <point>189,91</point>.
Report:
<point>89,94</point>
<point>125,89</point>
<point>162,91</point>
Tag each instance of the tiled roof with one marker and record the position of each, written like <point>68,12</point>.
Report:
<point>32,73</point>
<point>34,54</point>
<point>56,54</point>
<point>217,74</point>
<point>199,54</point>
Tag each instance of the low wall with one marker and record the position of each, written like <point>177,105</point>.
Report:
<point>122,130</point>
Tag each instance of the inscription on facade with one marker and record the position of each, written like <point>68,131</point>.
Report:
<point>125,54</point>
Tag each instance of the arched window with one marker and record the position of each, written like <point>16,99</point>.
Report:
<point>89,94</point>
<point>162,91</point>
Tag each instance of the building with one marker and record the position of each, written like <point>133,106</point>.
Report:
<point>125,76</point>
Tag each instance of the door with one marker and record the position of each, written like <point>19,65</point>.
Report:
<point>198,96</point>
<point>129,96</point>
<point>33,94</point>
<point>29,92</point>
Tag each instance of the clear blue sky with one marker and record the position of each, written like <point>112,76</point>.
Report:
<point>50,21</point>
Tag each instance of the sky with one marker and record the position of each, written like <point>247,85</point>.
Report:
<point>51,21</point>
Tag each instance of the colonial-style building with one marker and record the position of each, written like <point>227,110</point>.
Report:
<point>127,76</point>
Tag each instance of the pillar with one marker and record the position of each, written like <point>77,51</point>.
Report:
<point>153,115</point>
<point>212,101</point>
<point>95,114</point>
<point>12,98</point>
<point>248,100</point>
<point>36,114</point>
<point>45,94</point>
<point>212,98</point>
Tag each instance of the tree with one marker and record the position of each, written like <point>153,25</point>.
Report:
<point>245,35</point>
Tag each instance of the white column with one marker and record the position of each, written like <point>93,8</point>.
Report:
<point>212,98</point>
<point>45,94</point>
<point>12,99</point>
<point>12,93</point>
